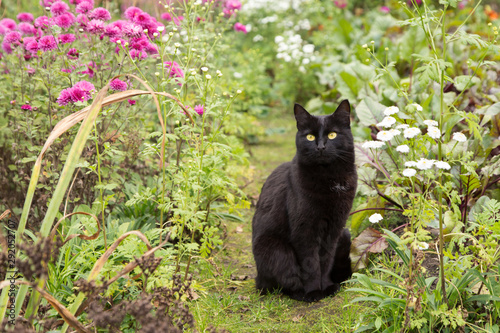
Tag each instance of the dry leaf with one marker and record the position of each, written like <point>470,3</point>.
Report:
<point>369,241</point>
<point>297,318</point>
<point>239,230</point>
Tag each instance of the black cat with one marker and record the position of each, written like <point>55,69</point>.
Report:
<point>299,241</point>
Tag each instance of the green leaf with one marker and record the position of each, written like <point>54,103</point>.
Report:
<point>463,82</point>
<point>370,112</point>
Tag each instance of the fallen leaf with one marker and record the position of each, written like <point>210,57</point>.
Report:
<point>192,295</point>
<point>239,230</point>
<point>297,318</point>
<point>243,298</point>
<point>369,241</point>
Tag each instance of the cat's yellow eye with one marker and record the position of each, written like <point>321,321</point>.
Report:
<point>332,135</point>
<point>310,137</point>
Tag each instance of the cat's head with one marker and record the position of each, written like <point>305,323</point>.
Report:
<point>324,139</point>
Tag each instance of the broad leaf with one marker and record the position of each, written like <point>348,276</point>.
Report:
<point>369,241</point>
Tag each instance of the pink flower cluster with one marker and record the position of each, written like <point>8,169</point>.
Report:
<point>81,91</point>
<point>174,70</point>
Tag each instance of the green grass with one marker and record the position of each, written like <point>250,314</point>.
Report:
<point>229,300</point>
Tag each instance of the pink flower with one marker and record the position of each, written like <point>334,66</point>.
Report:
<point>410,3</point>
<point>151,49</point>
<point>178,20</point>
<point>83,20</point>
<point>59,8</point>
<point>139,44</point>
<point>385,9</point>
<point>131,102</point>
<point>26,28</point>
<point>143,19</point>
<point>30,70</point>
<point>12,37</point>
<point>462,4</point>
<point>166,17</point>
<point>340,3</point>
<point>136,54</point>
<point>199,109</point>
<point>233,4</point>
<point>118,85</point>
<point>26,107</point>
<point>3,30</point>
<point>132,30</point>
<point>73,54</point>
<point>25,17</point>
<point>47,43</point>
<point>67,39</point>
<point>84,7</point>
<point>100,14</point>
<point>64,97</point>
<point>43,22</point>
<point>96,27</point>
<point>31,46</point>
<point>112,30</point>
<point>174,70</point>
<point>131,12</point>
<point>240,27</point>
<point>85,86</point>
<point>8,23</point>
<point>6,47</point>
<point>65,20</point>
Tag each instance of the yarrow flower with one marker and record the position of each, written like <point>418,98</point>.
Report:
<point>409,172</point>
<point>402,126</point>
<point>403,149</point>
<point>410,164</point>
<point>425,164</point>
<point>25,17</point>
<point>373,144</point>
<point>47,43</point>
<point>199,109</point>
<point>430,122</point>
<point>387,122</point>
<point>118,85</point>
<point>411,132</point>
<point>433,132</point>
<point>384,136</point>
<point>442,165</point>
<point>240,27</point>
<point>391,110</point>
<point>460,137</point>
<point>375,218</point>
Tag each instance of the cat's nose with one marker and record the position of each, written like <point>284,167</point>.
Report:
<point>321,146</point>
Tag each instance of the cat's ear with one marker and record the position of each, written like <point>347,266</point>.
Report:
<point>342,115</point>
<point>302,116</point>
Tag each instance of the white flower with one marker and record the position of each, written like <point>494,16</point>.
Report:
<point>387,122</point>
<point>373,144</point>
<point>237,75</point>
<point>258,38</point>
<point>306,61</point>
<point>411,132</point>
<point>279,39</point>
<point>425,164</point>
<point>433,132</point>
<point>177,45</point>
<point>391,110</point>
<point>403,149</point>
<point>418,107</point>
<point>384,136</point>
<point>161,28</point>
<point>442,165</point>
<point>423,246</point>
<point>208,76</point>
<point>364,46</point>
<point>308,48</point>
<point>430,122</point>
<point>410,164</point>
<point>460,137</point>
<point>409,172</point>
<point>238,91</point>
<point>375,218</point>
<point>402,126</point>
<point>394,132</point>
<point>204,69</point>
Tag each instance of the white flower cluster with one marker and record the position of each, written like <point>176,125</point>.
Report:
<point>276,5</point>
<point>389,133</point>
<point>291,48</point>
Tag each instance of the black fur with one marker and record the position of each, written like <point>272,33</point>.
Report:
<point>299,241</point>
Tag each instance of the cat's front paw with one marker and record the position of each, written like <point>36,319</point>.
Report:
<point>331,290</point>
<point>313,296</point>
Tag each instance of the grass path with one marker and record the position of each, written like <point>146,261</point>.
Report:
<point>230,301</point>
